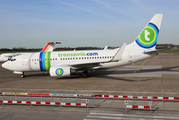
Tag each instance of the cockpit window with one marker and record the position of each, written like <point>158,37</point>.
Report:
<point>12,59</point>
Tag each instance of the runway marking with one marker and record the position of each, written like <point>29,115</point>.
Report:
<point>125,116</point>
<point>141,65</point>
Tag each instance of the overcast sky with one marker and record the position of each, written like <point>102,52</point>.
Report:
<point>78,23</point>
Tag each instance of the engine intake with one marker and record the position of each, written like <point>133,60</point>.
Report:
<point>61,71</point>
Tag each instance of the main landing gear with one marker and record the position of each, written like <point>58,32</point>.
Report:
<point>85,74</point>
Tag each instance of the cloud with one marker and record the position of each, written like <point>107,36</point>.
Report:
<point>35,7</point>
<point>114,9</point>
<point>75,6</point>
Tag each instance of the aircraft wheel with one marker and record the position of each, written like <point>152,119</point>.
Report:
<point>22,76</point>
<point>85,74</point>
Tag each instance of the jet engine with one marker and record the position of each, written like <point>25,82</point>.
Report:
<point>61,71</point>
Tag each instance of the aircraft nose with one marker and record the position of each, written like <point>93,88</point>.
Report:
<point>5,65</point>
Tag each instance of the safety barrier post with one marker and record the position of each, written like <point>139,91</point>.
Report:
<point>163,97</point>
<point>132,96</point>
<point>41,96</point>
<point>150,104</point>
<point>87,101</point>
<point>60,103</point>
<point>104,96</point>
<point>51,94</point>
<point>77,94</point>
<point>27,93</point>
<point>126,102</point>
<point>3,98</point>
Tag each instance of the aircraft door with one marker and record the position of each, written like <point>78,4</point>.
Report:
<point>25,60</point>
<point>130,57</point>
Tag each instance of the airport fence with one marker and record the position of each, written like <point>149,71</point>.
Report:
<point>85,98</point>
<point>89,94</point>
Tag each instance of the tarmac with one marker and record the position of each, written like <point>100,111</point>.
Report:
<point>157,76</point>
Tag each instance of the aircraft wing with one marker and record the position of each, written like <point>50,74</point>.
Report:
<point>93,65</point>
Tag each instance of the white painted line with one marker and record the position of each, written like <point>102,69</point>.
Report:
<point>107,114</point>
<point>114,118</point>
<point>127,115</point>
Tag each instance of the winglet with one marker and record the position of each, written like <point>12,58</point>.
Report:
<point>119,53</point>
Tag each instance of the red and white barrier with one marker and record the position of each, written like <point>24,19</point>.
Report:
<point>115,96</point>
<point>43,103</point>
<point>141,97</point>
<point>104,96</point>
<point>138,107</point>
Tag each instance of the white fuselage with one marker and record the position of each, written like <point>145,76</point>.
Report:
<point>42,61</point>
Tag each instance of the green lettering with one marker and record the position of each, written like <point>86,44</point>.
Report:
<point>83,54</point>
<point>68,54</point>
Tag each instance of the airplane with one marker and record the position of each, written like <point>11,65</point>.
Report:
<point>65,63</point>
<point>48,48</point>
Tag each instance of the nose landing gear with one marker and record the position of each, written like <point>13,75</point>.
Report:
<point>22,75</point>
